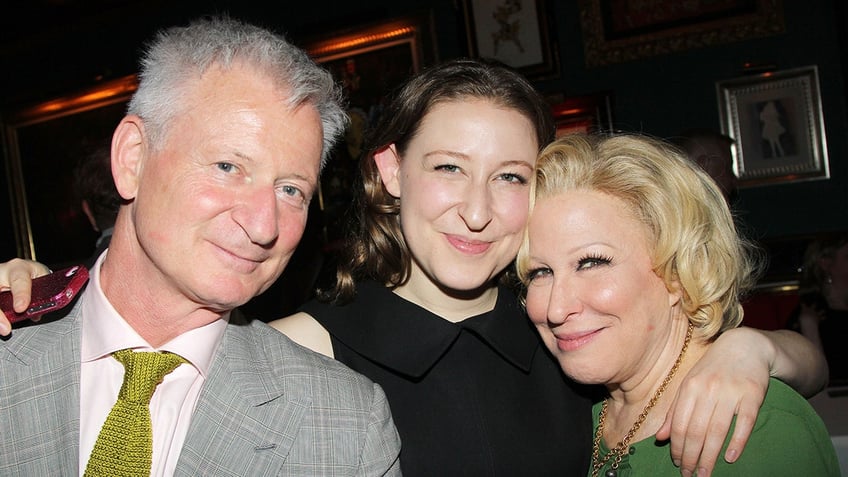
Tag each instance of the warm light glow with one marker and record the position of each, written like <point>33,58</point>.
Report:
<point>105,92</point>
<point>778,287</point>
<point>358,41</point>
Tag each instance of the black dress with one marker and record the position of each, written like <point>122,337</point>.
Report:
<point>833,332</point>
<point>481,397</point>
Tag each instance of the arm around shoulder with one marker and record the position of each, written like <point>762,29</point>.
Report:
<point>304,330</point>
<point>790,356</point>
<point>732,379</point>
<point>797,361</point>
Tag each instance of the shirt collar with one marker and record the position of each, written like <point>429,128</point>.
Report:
<point>409,339</point>
<point>104,331</point>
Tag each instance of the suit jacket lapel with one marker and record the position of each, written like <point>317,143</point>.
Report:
<point>42,364</point>
<point>241,412</point>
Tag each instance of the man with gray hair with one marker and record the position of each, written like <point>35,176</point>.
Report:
<point>216,162</point>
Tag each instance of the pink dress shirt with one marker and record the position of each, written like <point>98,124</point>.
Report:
<point>105,331</point>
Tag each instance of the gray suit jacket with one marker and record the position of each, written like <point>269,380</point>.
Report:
<point>268,407</point>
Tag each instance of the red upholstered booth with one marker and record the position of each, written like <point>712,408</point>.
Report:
<point>770,309</point>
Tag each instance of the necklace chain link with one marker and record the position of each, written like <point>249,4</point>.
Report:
<point>617,453</point>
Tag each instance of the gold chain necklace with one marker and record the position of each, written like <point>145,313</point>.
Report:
<point>617,453</point>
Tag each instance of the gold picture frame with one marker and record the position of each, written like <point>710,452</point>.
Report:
<point>776,121</point>
<point>627,30</point>
<point>42,143</point>
<point>516,33</point>
<point>369,61</point>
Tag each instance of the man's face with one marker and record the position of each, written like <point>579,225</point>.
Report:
<point>221,206</point>
<point>717,160</point>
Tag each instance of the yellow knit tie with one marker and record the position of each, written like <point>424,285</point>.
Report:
<point>124,446</point>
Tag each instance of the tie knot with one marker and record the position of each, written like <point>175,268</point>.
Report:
<point>144,371</point>
<point>124,447</point>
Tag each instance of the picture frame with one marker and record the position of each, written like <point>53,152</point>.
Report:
<point>776,121</point>
<point>370,61</point>
<point>42,144</point>
<point>514,32</point>
<point>626,30</point>
<point>589,113</point>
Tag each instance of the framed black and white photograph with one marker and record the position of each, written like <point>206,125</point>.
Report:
<point>777,123</point>
<point>515,32</point>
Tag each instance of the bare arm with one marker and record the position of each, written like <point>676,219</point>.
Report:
<point>16,275</point>
<point>809,320</point>
<point>731,379</point>
<point>797,362</point>
<point>305,331</point>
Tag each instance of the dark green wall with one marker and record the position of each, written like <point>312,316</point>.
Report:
<point>665,94</point>
<point>50,51</point>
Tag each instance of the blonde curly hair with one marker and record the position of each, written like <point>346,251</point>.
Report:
<point>697,247</point>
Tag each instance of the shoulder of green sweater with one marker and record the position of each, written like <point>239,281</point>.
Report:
<point>780,397</point>
<point>789,438</point>
<point>784,408</point>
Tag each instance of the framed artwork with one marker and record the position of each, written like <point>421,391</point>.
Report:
<point>615,31</point>
<point>369,61</point>
<point>42,143</point>
<point>582,114</point>
<point>515,32</point>
<point>777,123</point>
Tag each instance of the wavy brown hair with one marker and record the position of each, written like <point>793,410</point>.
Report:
<point>375,248</point>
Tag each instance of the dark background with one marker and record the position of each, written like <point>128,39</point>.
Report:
<point>50,48</point>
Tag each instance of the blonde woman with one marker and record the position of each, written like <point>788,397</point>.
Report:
<point>633,267</point>
<point>421,308</point>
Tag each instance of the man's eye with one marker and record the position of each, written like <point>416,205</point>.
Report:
<point>225,166</point>
<point>291,191</point>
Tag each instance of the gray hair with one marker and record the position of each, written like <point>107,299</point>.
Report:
<point>179,54</point>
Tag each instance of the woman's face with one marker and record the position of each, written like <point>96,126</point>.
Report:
<point>593,295</point>
<point>836,267</point>
<point>463,184</point>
